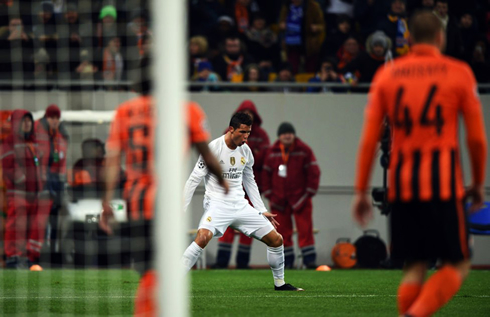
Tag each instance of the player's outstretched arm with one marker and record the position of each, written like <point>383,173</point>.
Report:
<point>212,164</point>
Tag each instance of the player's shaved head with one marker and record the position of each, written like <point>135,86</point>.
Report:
<point>425,27</point>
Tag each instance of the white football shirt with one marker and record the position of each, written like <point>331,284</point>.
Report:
<point>237,171</point>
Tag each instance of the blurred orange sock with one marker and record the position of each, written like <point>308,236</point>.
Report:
<point>145,303</point>
<point>436,292</point>
<point>407,294</point>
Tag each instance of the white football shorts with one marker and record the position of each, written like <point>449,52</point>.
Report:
<point>219,215</point>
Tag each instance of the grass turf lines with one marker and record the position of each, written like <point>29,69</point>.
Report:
<point>227,293</point>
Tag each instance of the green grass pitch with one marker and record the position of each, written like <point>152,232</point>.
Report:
<point>226,293</point>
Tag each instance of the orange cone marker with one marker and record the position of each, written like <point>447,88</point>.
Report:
<point>323,268</point>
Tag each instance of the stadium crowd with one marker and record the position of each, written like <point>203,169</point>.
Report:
<point>64,40</point>
<point>338,41</point>
<point>320,41</point>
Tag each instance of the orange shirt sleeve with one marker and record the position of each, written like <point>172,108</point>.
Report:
<point>475,128</point>
<point>196,121</point>
<point>371,132</point>
<point>115,140</point>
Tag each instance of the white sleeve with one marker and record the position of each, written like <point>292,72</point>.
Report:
<point>198,173</point>
<point>251,186</point>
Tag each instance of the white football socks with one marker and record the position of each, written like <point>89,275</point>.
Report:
<point>275,257</point>
<point>190,256</point>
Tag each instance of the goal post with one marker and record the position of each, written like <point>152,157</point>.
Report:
<point>170,224</point>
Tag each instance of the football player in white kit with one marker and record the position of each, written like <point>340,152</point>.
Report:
<point>222,210</point>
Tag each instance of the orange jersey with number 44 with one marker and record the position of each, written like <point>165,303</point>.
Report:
<point>422,95</point>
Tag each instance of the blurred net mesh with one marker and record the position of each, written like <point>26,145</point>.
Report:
<point>82,56</point>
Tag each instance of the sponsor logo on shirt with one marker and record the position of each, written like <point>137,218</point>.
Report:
<point>233,173</point>
<point>201,164</point>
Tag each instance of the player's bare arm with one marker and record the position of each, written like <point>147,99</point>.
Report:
<point>212,163</point>
<point>113,162</point>
<point>361,209</point>
<point>477,146</point>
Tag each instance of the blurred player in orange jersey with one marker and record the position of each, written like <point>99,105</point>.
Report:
<point>422,94</point>
<point>4,132</point>
<point>132,135</point>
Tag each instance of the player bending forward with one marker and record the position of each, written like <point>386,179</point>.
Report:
<point>222,210</point>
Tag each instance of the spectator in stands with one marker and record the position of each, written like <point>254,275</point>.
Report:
<point>15,30</point>
<point>285,75</point>
<point>337,36</point>
<point>205,74</point>
<point>304,27</point>
<point>267,69</point>
<point>52,139</point>
<point>454,42</point>
<point>368,13</point>
<point>336,8</point>
<point>479,63</point>
<point>252,75</point>
<point>137,30</point>
<point>290,178</point>
<point>107,28</point>
<point>70,42</point>
<point>225,27</point>
<point>261,41</point>
<point>45,34</point>
<point>16,50</point>
<point>113,64</point>
<point>327,74</point>
<point>365,65</point>
<point>198,49</point>
<point>203,15</point>
<point>469,34</point>
<point>43,69</point>
<point>394,25</point>
<point>349,50</point>
<point>59,7</point>
<point>427,4</point>
<point>86,70</point>
<point>232,61</point>
<point>242,13</point>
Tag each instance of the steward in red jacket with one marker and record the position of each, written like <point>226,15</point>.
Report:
<point>290,177</point>
<point>28,207</point>
<point>52,140</point>
<point>258,141</point>
<point>4,133</point>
